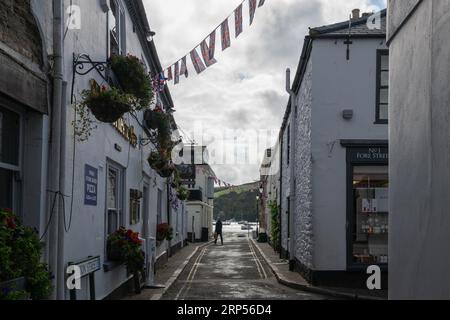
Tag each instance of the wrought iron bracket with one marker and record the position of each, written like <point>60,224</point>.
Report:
<point>83,65</point>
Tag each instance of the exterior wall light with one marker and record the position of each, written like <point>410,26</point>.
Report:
<point>347,114</point>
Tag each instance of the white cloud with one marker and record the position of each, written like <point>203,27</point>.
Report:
<point>245,89</point>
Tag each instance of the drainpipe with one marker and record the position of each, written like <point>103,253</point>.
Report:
<point>54,240</point>
<point>291,204</point>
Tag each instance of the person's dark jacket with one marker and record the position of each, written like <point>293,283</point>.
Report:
<point>219,227</point>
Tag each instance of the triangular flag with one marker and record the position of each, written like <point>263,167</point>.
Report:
<point>183,69</point>
<point>261,3</point>
<point>225,30</point>
<point>208,52</point>
<point>238,20</point>
<point>177,73</point>
<point>169,74</point>
<point>197,62</point>
<point>252,8</point>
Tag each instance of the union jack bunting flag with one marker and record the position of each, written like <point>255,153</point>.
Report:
<point>208,52</point>
<point>197,62</point>
<point>252,6</point>
<point>177,73</point>
<point>238,20</point>
<point>261,3</point>
<point>169,74</point>
<point>225,30</point>
<point>158,82</point>
<point>183,68</point>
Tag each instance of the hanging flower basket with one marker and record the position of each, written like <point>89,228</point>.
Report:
<point>158,120</point>
<point>133,78</point>
<point>107,105</point>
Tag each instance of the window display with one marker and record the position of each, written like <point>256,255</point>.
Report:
<point>371,214</point>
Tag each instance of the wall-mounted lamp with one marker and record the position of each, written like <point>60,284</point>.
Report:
<point>347,114</point>
<point>150,35</point>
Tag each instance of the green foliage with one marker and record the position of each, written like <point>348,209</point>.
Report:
<point>275,224</point>
<point>182,193</point>
<point>239,204</point>
<point>20,256</point>
<point>106,104</point>
<point>133,79</point>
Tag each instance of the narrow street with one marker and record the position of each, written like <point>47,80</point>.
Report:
<point>234,271</point>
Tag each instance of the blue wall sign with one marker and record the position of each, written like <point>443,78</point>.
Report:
<point>90,185</point>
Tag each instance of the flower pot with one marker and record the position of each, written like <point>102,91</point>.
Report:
<point>108,111</point>
<point>114,254</point>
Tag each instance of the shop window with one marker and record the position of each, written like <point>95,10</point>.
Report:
<point>117,29</point>
<point>114,198</point>
<point>382,101</point>
<point>370,215</point>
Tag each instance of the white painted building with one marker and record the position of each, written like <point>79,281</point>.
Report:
<point>76,192</point>
<point>420,156</point>
<point>200,205</point>
<point>334,155</point>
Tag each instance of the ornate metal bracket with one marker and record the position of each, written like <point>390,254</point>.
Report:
<point>83,65</point>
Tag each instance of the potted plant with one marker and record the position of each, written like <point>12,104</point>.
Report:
<point>107,104</point>
<point>182,193</point>
<point>125,246</point>
<point>133,78</point>
<point>22,274</point>
<point>164,232</point>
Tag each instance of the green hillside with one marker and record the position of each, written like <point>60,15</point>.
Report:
<point>238,203</point>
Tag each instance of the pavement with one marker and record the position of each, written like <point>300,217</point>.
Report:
<point>167,274</point>
<point>291,279</point>
<point>234,271</point>
<point>241,269</point>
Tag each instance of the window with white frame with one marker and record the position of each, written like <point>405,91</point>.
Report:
<point>117,29</point>
<point>114,198</point>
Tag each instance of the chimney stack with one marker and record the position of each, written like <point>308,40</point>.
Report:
<point>356,14</point>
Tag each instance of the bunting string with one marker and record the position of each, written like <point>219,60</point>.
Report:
<point>175,70</point>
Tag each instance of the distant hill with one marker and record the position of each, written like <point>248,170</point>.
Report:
<point>237,203</point>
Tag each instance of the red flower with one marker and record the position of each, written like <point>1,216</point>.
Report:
<point>7,210</point>
<point>10,223</point>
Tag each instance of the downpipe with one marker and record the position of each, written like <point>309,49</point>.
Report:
<point>293,134</point>
<point>55,240</point>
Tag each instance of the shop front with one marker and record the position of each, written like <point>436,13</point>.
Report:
<point>367,204</point>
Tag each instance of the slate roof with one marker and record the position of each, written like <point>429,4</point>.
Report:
<point>359,28</point>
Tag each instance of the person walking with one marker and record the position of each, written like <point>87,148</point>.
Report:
<point>218,232</point>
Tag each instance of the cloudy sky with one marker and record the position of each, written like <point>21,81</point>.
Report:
<point>245,88</point>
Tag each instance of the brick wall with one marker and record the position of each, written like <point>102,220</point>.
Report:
<point>18,29</point>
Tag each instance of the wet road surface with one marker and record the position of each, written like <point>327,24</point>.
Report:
<point>230,272</point>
